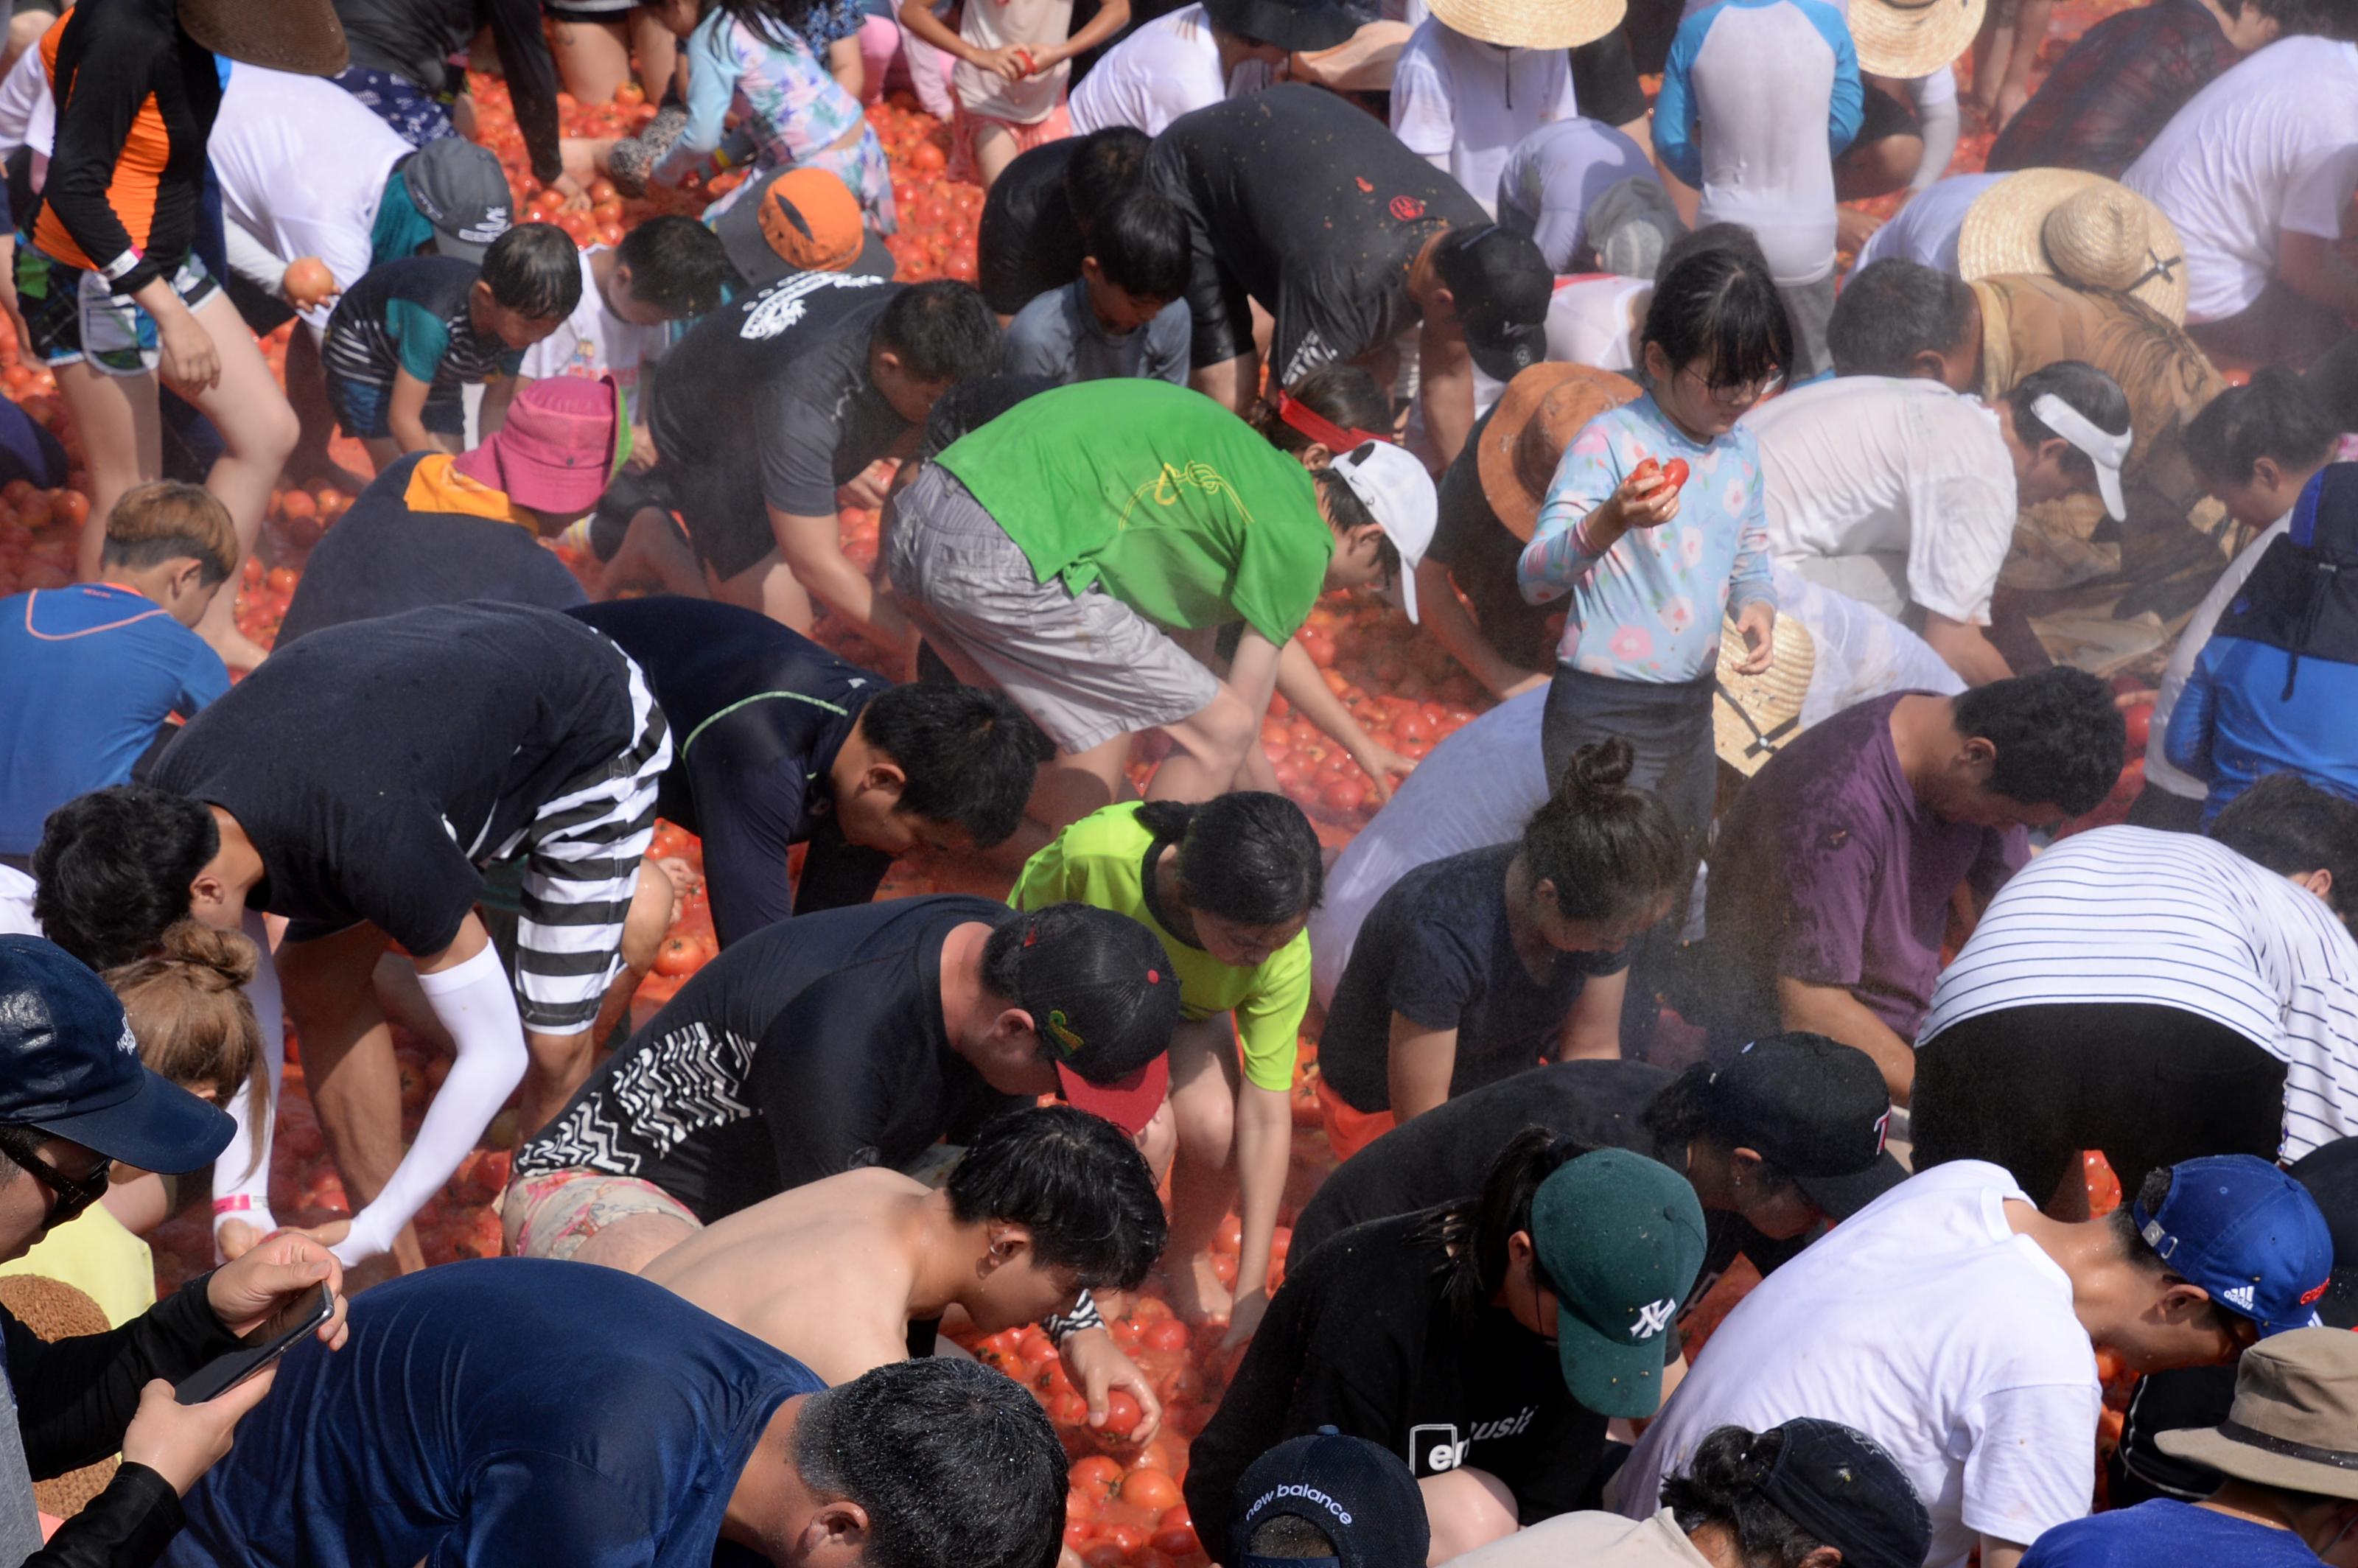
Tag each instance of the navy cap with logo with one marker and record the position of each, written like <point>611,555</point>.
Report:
<point>70,1065</point>
<point>1360,1497</point>
<point>461,190</point>
<point>1816,1109</point>
<point>2248,1234</point>
<point>2330,1171</point>
<point>1501,285</point>
<point>1844,1487</point>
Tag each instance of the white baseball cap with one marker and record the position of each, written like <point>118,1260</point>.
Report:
<point>1398,494</point>
<point>2105,451</point>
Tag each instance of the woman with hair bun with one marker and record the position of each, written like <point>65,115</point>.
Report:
<point>1227,886</point>
<point>1475,966</point>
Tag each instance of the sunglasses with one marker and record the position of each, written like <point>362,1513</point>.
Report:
<point>69,1195</point>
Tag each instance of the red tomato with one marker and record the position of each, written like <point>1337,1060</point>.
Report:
<point>1096,1477</point>
<point>1343,796</point>
<point>1121,1415</point>
<point>1079,1505</point>
<point>678,957</point>
<point>1149,1489</point>
<point>1108,1553</point>
<point>1674,473</point>
<point>1077,1532</point>
<point>2140,727</point>
<point>1230,1237</point>
<point>1167,1335</point>
<point>1175,1541</point>
<point>1649,469</point>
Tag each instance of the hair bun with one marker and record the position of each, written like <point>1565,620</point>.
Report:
<point>227,954</point>
<point>1597,768</point>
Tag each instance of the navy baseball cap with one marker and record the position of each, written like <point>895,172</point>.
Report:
<point>1361,1496</point>
<point>70,1065</point>
<point>2248,1234</point>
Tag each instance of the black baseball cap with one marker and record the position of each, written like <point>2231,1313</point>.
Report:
<point>1102,993</point>
<point>1842,1488</point>
<point>1815,1108</point>
<point>70,1066</point>
<point>1361,1496</point>
<point>460,189</point>
<point>1502,285</point>
<point>1297,27</point>
<point>2331,1173</point>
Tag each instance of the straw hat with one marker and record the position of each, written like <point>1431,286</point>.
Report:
<point>2080,227</point>
<point>1753,717</point>
<point>1532,23</point>
<point>305,37</point>
<point>1912,38</point>
<point>1542,409</point>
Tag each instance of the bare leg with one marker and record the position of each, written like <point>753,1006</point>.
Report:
<point>258,430</point>
<point>653,551</point>
<point>1078,783</point>
<point>593,58</point>
<point>631,1243</point>
<point>306,394</point>
<point>1211,747</point>
<point>658,53</point>
<point>769,585</point>
<point>1468,1508</point>
<point>348,1063</point>
<point>1878,168</point>
<point>2030,36</point>
<point>994,149</point>
<point>1203,1177</point>
<point>123,437</point>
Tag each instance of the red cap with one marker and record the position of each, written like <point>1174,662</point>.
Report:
<point>1129,1103</point>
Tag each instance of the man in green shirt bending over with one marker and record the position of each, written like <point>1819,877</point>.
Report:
<point>1083,551</point>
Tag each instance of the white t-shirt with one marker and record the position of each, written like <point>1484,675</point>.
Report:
<point>1479,786</point>
<point>2128,914</point>
<point>1464,104</point>
<point>302,165</point>
<point>28,114</point>
<point>16,904</point>
<point>1593,321</point>
<point>1925,231</point>
<point>2252,153</point>
<point>1168,67</point>
<point>594,341</point>
<point>1865,464</point>
<point>1926,1323</point>
<point>2190,643</point>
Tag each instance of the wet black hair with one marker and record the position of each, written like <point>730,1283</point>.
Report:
<point>2095,395</point>
<point>2058,738</point>
<point>1722,1487</point>
<point>1610,848</point>
<point>1291,1537</point>
<point>1710,237</point>
<point>1342,394</point>
<point>970,756</point>
<point>1248,856</point>
<point>1718,310</point>
<point>943,331</point>
<point>2288,825</point>
<point>677,266</point>
<point>1474,1232</point>
<point>1074,1180</point>
<point>535,269</point>
<point>114,867</point>
<point>1105,164</point>
<point>954,1464</point>
<point>1140,244</point>
<point>1893,310</point>
<point>2274,416</point>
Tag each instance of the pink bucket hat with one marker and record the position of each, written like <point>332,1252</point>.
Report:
<point>563,438</point>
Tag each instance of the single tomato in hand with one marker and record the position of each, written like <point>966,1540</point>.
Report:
<point>1674,473</point>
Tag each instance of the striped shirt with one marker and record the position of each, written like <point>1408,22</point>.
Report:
<point>2127,914</point>
<point>415,314</point>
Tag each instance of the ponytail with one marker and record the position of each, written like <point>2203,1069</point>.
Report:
<point>1608,847</point>
<point>1248,856</point>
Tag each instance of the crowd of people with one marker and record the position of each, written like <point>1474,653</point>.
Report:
<point>1921,653</point>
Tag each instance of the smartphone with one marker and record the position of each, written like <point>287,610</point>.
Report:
<point>258,1348</point>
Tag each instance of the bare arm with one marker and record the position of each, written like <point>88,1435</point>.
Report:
<point>497,396</point>
<point>1301,684</point>
<point>1833,1011</point>
<point>1231,382</point>
<point>813,549</point>
<point>1997,1554</point>
<point>1112,17</point>
<point>1264,1154</point>
<point>1447,386</point>
<point>405,414</point>
<point>843,63</point>
<point>919,18</point>
<point>1446,617</point>
<point>1592,1031</point>
<point>1421,1065</point>
<point>1965,649</point>
<point>2312,268</point>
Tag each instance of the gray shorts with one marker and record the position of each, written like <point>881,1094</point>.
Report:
<point>1086,667</point>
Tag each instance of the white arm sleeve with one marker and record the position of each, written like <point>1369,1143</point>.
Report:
<point>476,1004</point>
<point>241,1174</point>
<point>1937,113</point>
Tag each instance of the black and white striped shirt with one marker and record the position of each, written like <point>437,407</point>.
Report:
<point>2127,914</point>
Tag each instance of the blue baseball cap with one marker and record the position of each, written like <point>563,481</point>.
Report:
<point>70,1065</point>
<point>2248,1234</point>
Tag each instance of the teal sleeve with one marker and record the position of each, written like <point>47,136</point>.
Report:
<point>419,338</point>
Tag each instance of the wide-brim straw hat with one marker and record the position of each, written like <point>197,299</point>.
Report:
<point>1537,416</point>
<point>1753,717</point>
<point>1908,38</point>
<point>301,35</point>
<point>2294,1425</point>
<point>2080,227</point>
<point>1532,23</point>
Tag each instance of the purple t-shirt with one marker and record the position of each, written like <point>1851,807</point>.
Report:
<point>1830,870</point>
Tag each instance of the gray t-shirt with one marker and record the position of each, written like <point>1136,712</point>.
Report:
<point>1058,335</point>
<point>1554,174</point>
<point>20,1522</point>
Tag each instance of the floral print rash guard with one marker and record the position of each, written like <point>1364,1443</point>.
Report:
<point>1649,609</point>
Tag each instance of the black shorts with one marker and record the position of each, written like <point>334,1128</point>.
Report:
<point>1605,80</point>
<point>2026,1087</point>
<point>718,504</point>
<point>1885,117</point>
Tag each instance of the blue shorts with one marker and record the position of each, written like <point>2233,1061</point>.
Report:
<point>418,116</point>
<point>361,409</point>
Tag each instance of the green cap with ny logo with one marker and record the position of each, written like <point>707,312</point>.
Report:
<point>1620,1239</point>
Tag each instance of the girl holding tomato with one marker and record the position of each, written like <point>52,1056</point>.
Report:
<point>1655,528</point>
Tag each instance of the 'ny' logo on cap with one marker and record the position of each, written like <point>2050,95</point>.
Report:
<point>1652,1319</point>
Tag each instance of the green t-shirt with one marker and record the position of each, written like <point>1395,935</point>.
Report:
<point>1100,860</point>
<point>1179,508</point>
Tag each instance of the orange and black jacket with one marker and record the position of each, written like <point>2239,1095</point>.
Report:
<point>136,99</point>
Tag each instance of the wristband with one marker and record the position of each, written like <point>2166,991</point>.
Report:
<point>122,265</point>
<point>237,1203</point>
<point>1083,1317</point>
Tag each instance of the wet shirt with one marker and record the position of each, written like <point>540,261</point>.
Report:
<point>1059,336</point>
<point>415,314</point>
<point>806,1050</point>
<point>758,712</point>
<point>373,765</point>
<point>1302,203</point>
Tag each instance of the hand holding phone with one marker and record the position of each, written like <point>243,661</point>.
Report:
<point>179,1442</point>
<point>261,1346</point>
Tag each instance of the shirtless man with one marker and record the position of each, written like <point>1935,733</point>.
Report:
<point>854,1272</point>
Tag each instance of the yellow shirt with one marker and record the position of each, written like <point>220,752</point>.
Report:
<point>96,1255</point>
<point>1101,861</point>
